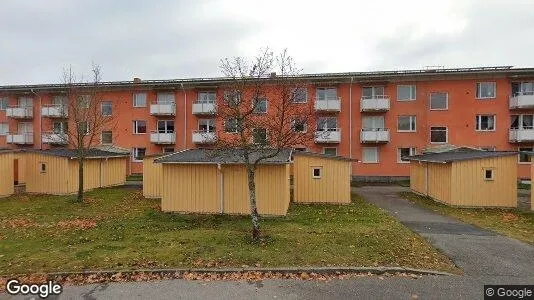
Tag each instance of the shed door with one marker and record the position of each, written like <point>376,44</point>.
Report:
<point>16,171</point>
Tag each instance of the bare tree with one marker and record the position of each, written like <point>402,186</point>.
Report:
<point>88,116</point>
<point>263,108</point>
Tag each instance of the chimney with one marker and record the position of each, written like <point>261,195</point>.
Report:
<point>137,80</point>
<point>273,74</point>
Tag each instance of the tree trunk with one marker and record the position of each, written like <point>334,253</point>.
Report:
<point>251,172</point>
<point>80,179</point>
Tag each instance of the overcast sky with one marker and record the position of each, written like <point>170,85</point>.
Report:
<point>168,39</point>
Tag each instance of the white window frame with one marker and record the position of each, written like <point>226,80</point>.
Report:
<point>519,155</point>
<point>478,90</point>
<point>492,178</point>
<point>374,94</point>
<point>208,123</point>
<point>166,126</point>
<point>412,118</point>
<point>102,108</point>
<point>102,137</point>
<point>412,150</point>
<point>135,153</point>
<point>134,123</point>
<point>446,134</point>
<point>325,98</point>
<point>205,97</point>
<point>293,121</point>
<point>320,172</point>
<point>236,127</point>
<point>6,101</point>
<point>446,101</point>
<point>165,98</point>
<point>410,86</point>
<point>134,99</point>
<point>163,150</point>
<point>87,128</point>
<point>266,136</point>
<point>261,99</point>
<point>377,155</point>
<point>6,131</point>
<point>478,124</point>
<point>293,95</point>
<point>324,150</point>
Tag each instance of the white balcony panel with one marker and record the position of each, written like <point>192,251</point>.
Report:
<point>521,135</point>
<point>204,108</point>
<point>55,111</point>
<point>20,112</point>
<point>163,109</point>
<point>380,135</point>
<point>328,136</point>
<point>328,105</point>
<point>55,138</point>
<point>20,138</point>
<point>204,137</point>
<point>378,103</point>
<point>163,138</point>
<point>522,100</point>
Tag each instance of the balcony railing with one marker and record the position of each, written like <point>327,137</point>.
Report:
<point>331,135</point>
<point>55,111</point>
<point>20,112</point>
<point>522,100</point>
<point>204,137</point>
<point>20,138</point>
<point>162,137</point>
<point>204,108</point>
<point>55,138</point>
<point>374,135</point>
<point>375,103</point>
<point>331,104</point>
<point>518,135</point>
<point>163,109</point>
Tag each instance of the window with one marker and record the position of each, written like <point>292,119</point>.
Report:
<point>261,106</point>
<point>4,128</point>
<point>42,167</point>
<point>372,92</point>
<point>168,150</point>
<point>83,128</point>
<point>299,95</point>
<point>522,88</point>
<point>83,101</point>
<point>4,103</point>
<point>60,127</point>
<point>327,124</point>
<point>206,125</point>
<point>488,174</point>
<point>25,102</point>
<point>232,98</point>
<point>165,98</point>
<point>370,155</point>
<point>138,154</point>
<point>139,127</point>
<point>139,100</point>
<point>372,123</point>
<point>523,157</point>
<point>486,90</point>
<point>330,151</point>
<point>438,135</point>
<point>439,101</point>
<point>521,121</point>
<point>107,108</point>
<point>402,153</point>
<point>485,123</point>
<point>406,123</point>
<point>299,125</point>
<point>206,97</point>
<point>230,125</point>
<point>106,137</point>
<point>259,136</point>
<point>165,126</point>
<point>406,92</point>
<point>326,94</point>
<point>316,172</point>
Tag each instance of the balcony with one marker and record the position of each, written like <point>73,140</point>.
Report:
<point>53,138</point>
<point>54,111</point>
<point>332,135</point>
<point>522,100</point>
<point>374,103</point>
<point>204,108</point>
<point>20,112</point>
<point>165,138</point>
<point>163,109</point>
<point>20,138</point>
<point>204,137</point>
<point>517,135</point>
<point>333,105</point>
<point>374,135</point>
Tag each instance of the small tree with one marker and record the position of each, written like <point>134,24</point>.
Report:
<point>262,106</point>
<point>87,117</point>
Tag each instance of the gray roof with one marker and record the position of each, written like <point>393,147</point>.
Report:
<point>322,155</point>
<point>451,156</point>
<point>71,153</point>
<point>218,156</point>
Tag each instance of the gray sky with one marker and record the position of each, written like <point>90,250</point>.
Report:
<point>186,38</point>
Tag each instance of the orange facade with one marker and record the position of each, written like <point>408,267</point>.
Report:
<point>459,117</point>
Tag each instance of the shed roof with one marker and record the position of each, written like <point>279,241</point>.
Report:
<point>228,156</point>
<point>322,155</point>
<point>451,156</point>
<point>71,153</point>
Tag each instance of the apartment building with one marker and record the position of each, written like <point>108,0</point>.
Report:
<point>375,117</point>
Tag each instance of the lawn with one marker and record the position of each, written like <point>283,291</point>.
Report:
<point>511,222</point>
<point>119,229</point>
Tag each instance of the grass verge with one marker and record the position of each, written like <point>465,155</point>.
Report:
<point>116,228</point>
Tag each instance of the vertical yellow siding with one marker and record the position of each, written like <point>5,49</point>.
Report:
<point>190,188</point>
<point>235,189</point>
<point>417,177</point>
<point>332,187</point>
<point>114,171</point>
<point>471,189</point>
<point>439,181</point>
<point>152,178</point>
<point>22,166</point>
<point>55,180</point>
<point>7,174</point>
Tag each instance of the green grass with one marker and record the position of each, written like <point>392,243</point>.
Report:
<point>510,222</point>
<point>131,232</point>
<point>524,186</point>
<point>134,177</point>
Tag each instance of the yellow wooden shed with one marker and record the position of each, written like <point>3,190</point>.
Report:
<point>466,177</point>
<point>319,178</point>
<point>152,177</point>
<point>7,171</point>
<point>55,171</point>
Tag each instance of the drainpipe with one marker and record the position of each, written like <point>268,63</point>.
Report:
<point>40,120</point>
<point>350,123</point>
<point>221,188</point>
<point>185,116</point>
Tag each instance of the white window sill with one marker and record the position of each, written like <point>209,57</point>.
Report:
<point>406,100</point>
<point>370,162</point>
<point>407,131</point>
<point>439,109</point>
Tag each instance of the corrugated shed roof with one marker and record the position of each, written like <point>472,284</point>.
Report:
<point>71,153</point>
<point>228,156</point>
<point>445,157</point>
<point>322,155</point>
